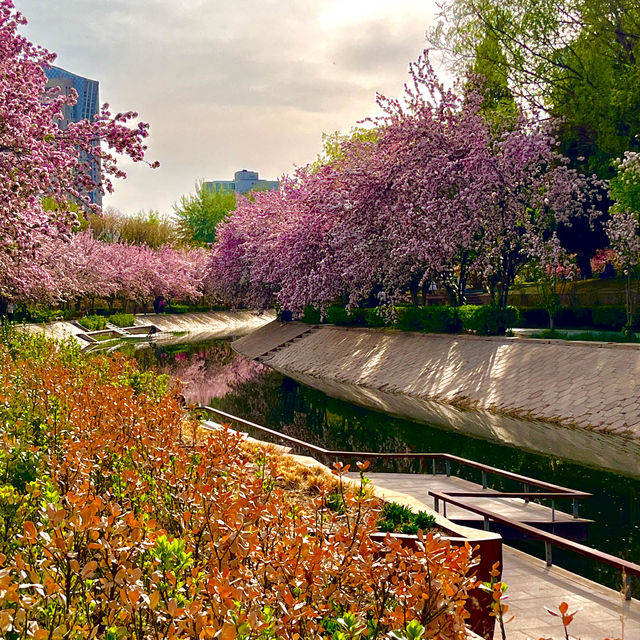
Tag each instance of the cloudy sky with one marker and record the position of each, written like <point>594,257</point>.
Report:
<point>231,84</point>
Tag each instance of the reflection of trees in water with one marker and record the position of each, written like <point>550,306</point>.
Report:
<point>207,370</point>
<point>281,403</point>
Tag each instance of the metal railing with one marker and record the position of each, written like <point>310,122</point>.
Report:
<point>627,568</point>
<point>549,490</point>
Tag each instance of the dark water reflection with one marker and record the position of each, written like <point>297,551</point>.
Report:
<point>214,374</point>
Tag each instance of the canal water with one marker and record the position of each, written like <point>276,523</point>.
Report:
<point>213,374</point>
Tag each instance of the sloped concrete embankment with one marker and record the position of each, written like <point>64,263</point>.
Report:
<point>213,324</point>
<point>222,323</point>
<point>578,401</point>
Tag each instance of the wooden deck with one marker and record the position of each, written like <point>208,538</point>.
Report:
<point>531,513</point>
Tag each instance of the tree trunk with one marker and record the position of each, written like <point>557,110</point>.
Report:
<point>413,288</point>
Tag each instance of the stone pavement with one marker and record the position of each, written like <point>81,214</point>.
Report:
<point>591,385</point>
<point>534,586</point>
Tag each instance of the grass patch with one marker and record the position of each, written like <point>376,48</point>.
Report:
<point>396,518</point>
<point>122,319</point>
<point>93,323</point>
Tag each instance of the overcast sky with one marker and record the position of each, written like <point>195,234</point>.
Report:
<point>231,84</point>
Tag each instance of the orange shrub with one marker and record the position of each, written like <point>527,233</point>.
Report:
<point>128,531</point>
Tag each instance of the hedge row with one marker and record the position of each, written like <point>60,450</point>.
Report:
<point>93,323</point>
<point>607,318</point>
<point>479,319</point>
<point>122,319</point>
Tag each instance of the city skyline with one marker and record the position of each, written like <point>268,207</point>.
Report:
<point>249,84</point>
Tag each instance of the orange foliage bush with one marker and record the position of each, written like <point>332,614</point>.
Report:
<point>113,526</point>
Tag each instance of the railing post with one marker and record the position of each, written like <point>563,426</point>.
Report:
<point>626,581</point>
<point>553,511</point>
<point>547,553</point>
<point>526,490</point>
<point>486,524</point>
<point>575,507</point>
<point>433,466</point>
<point>484,479</point>
<point>447,467</point>
<point>436,504</point>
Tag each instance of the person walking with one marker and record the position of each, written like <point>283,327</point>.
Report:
<point>11,309</point>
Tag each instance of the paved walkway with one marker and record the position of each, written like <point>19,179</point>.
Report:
<point>419,485</point>
<point>534,586</point>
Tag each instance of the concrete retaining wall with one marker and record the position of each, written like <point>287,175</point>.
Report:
<point>215,324</point>
<point>578,401</point>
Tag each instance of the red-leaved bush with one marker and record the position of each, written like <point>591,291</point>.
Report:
<point>115,524</point>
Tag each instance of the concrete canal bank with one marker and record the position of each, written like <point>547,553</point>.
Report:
<point>215,324</point>
<point>578,401</point>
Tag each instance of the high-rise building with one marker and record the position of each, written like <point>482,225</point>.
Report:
<point>243,181</point>
<point>86,108</point>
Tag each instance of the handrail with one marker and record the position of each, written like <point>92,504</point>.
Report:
<point>628,568</point>
<point>514,494</point>
<point>553,491</point>
<point>447,457</point>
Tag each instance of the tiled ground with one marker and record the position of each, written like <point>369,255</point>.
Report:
<point>589,385</point>
<point>533,586</point>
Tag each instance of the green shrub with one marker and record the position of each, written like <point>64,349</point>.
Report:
<point>340,316</point>
<point>533,317</point>
<point>433,319</point>
<point>311,315</point>
<point>176,308</point>
<point>19,466</point>
<point>93,323</point>
<point>574,317</point>
<point>409,319</point>
<point>375,319</point>
<point>613,318</point>
<point>334,501</point>
<point>487,320</point>
<point>396,518</point>
<point>122,319</point>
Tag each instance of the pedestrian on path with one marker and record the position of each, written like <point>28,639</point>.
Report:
<point>11,309</point>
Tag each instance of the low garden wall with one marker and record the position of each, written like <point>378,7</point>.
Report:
<point>579,401</point>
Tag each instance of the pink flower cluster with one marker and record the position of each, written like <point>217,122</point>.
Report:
<point>38,159</point>
<point>61,269</point>
<point>434,196</point>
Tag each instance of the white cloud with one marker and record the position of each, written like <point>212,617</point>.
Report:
<point>231,84</point>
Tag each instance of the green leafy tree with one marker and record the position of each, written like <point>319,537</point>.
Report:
<point>336,145</point>
<point>143,228</point>
<point>199,214</point>
<point>490,71</point>
<point>573,61</point>
<point>576,60</point>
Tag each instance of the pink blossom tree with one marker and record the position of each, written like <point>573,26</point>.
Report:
<point>38,159</point>
<point>623,229</point>
<point>433,195</point>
